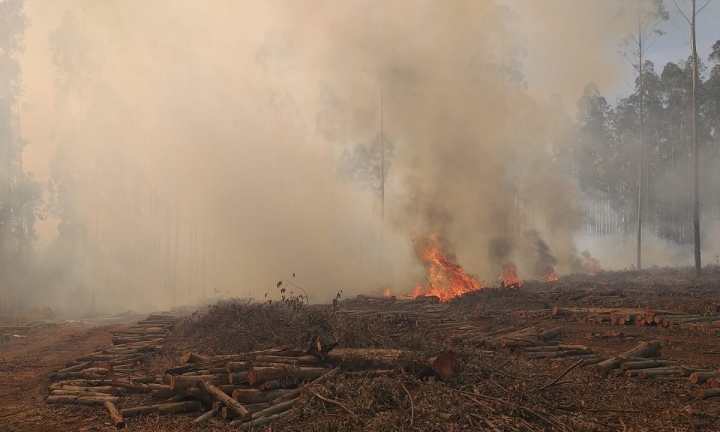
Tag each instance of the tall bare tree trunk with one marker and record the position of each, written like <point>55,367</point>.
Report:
<point>203,275</point>
<point>174,274</point>
<point>642,156</point>
<point>696,153</point>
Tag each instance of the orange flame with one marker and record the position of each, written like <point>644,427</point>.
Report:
<point>552,277</point>
<point>446,279</point>
<point>386,293</point>
<point>510,278</point>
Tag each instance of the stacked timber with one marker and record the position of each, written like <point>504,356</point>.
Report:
<point>101,378</point>
<point>645,361</point>
<point>256,388</point>
<point>666,319</point>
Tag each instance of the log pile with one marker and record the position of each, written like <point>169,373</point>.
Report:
<point>256,388</point>
<point>246,389</point>
<point>101,378</point>
<point>626,316</point>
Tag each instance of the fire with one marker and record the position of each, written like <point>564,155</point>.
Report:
<point>510,278</point>
<point>552,277</point>
<point>387,292</point>
<point>446,279</point>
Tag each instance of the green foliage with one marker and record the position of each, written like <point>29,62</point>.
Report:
<point>715,53</point>
<point>605,154</point>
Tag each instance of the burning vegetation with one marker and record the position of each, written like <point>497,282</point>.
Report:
<point>510,278</point>
<point>446,278</point>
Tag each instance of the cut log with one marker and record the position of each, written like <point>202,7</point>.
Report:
<point>111,390</point>
<point>253,396</point>
<point>278,384</point>
<point>238,377</point>
<point>194,358</point>
<point>205,417</point>
<point>712,383</point>
<point>177,407</point>
<point>643,349</point>
<point>77,393</point>
<point>114,414</point>
<point>688,370</point>
<point>259,422</point>
<point>227,400</point>
<point>77,375</point>
<point>554,354</point>
<point>227,389</point>
<point>647,364</point>
<point>81,400</point>
<point>76,368</point>
<point>306,360</point>
<point>550,334</point>
<point>365,358</point>
<point>238,366</point>
<point>227,414</point>
<point>707,394</point>
<point>446,365</point>
<point>701,377</point>
<point>275,409</point>
<point>182,382</point>
<point>655,372</point>
<point>257,375</point>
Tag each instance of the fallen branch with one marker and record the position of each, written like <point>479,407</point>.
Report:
<point>205,417</point>
<point>317,395</point>
<point>412,405</point>
<point>227,400</point>
<point>573,366</point>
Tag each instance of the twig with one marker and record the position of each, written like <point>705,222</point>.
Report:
<point>507,374</point>
<point>491,424</point>
<point>612,410</point>
<point>562,426</point>
<point>701,9</point>
<point>573,366</point>
<point>681,12</point>
<point>317,395</point>
<point>412,405</point>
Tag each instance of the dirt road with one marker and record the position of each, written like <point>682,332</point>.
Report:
<point>26,364</point>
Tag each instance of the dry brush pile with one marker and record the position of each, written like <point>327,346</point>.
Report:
<point>390,364</point>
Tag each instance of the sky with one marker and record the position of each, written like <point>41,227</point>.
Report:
<point>674,45</point>
<point>614,74</point>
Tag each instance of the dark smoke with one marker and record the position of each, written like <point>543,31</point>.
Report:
<point>585,263</point>
<point>501,249</point>
<point>544,260</point>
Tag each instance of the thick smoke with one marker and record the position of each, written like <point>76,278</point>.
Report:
<point>223,127</point>
<point>545,261</point>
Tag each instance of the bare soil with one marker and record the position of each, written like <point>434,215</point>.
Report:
<point>26,364</point>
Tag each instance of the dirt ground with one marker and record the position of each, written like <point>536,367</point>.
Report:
<point>26,364</point>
